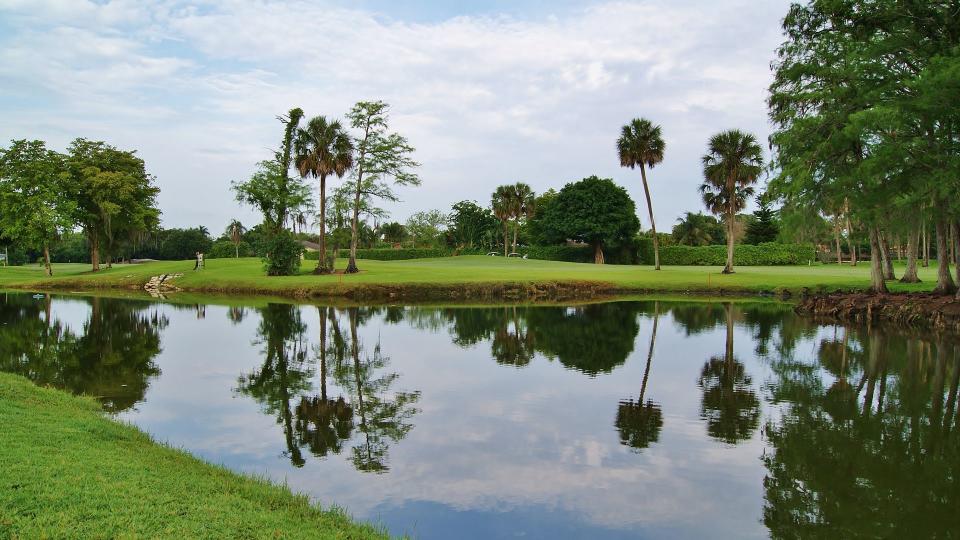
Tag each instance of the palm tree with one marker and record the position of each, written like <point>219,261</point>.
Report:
<point>641,143</point>
<point>696,230</point>
<point>236,230</point>
<point>734,160</point>
<point>502,203</point>
<point>323,148</point>
<point>522,207</point>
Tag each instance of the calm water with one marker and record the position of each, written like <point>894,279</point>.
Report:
<point>618,420</point>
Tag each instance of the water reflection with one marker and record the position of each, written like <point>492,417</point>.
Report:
<point>639,422</point>
<point>730,406</point>
<point>867,445</point>
<point>731,420</point>
<point>111,357</point>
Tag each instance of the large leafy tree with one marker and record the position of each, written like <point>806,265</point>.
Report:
<point>323,148</point>
<point>380,156</point>
<point>115,196</point>
<point>471,224</point>
<point>33,196</point>
<point>595,211</point>
<point>734,161</point>
<point>641,144</point>
<point>426,227</point>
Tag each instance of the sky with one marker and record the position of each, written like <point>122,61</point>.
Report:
<point>488,93</point>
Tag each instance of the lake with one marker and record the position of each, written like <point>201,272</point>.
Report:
<point>630,419</point>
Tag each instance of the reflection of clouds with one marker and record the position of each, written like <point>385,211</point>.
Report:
<point>488,438</point>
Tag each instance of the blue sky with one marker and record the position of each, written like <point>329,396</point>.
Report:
<point>488,92</point>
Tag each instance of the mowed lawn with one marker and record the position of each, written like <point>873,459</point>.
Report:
<point>246,274</point>
<point>69,471</point>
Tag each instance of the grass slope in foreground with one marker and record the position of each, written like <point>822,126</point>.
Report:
<point>68,471</point>
<point>246,275</point>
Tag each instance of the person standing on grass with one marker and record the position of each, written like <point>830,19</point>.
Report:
<point>196,265</point>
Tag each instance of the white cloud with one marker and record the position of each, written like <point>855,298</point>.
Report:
<point>485,98</point>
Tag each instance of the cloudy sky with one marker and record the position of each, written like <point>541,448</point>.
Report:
<point>488,92</point>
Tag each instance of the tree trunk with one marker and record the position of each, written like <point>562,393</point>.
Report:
<point>516,228</point>
<point>236,250</point>
<point>956,249</point>
<point>322,256</point>
<point>877,283</point>
<point>728,349</point>
<point>653,224</point>
<point>850,246</point>
<point>354,223</point>
<point>506,238</point>
<point>885,254</point>
<point>926,247</point>
<point>836,239</point>
<point>94,251</point>
<point>653,340</point>
<point>323,354</point>
<point>46,260</point>
<point>728,269</point>
<point>910,274</point>
<point>598,253</point>
<point>945,284</point>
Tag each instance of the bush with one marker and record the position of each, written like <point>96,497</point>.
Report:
<point>767,254</point>
<point>393,254</point>
<point>283,252</point>
<point>224,249</point>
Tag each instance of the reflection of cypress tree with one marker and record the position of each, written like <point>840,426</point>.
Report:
<point>639,423</point>
<point>323,424</point>
<point>381,418</point>
<point>284,373</point>
<point>113,359</point>
<point>889,467</point>
<point>840,400</point>
<point>729,405</point>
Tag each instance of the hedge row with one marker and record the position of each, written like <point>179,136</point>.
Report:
<point>768,254</point>
<point>386,254</point>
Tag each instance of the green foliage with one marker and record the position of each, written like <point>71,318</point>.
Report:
<point>34,206</point>
<point>425,228</point>
<point>393,254</point>
<point>225,249</point>
<point>114,195</point>
<point>594,211</point>
<point>768,254</point>
<point>183,244</point>
<point>472,225</point>
<point>393,232</point>
<point>698,230</point>
<point>283,254</point>
<point>273,193</point>
<point>72,248</point>
<point>764,228</point>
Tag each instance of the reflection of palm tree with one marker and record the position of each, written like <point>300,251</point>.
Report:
<point>512,348</point>
<point>640,423</point>
<point>322,423</point>
<point>729,405</point>
<point>236,314</point>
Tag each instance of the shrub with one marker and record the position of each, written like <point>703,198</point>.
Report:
<point>283,255</point>
<point>224,249</point>
<point>767,254</point>
<point>394,254</point>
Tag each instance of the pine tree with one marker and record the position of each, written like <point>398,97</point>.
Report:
<point>764,228</point>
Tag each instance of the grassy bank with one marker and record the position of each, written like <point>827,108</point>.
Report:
<point>459,277</point>
<point>67,471</point>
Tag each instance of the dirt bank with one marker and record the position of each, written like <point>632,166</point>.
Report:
<point>918,310</point>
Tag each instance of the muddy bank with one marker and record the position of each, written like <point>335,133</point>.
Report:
<point>917,310</point>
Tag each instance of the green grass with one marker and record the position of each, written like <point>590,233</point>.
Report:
<point>68,471</point>
<point>246,276</point>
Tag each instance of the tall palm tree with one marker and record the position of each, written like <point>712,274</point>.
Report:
<point>733,162</point>
<point>323,148</point>
<point>235,231</point>
<point>522,207</point>
<point>641,144</point>
<point>502,202</point>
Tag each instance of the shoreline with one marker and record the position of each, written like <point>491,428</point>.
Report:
<point>916,310</point>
